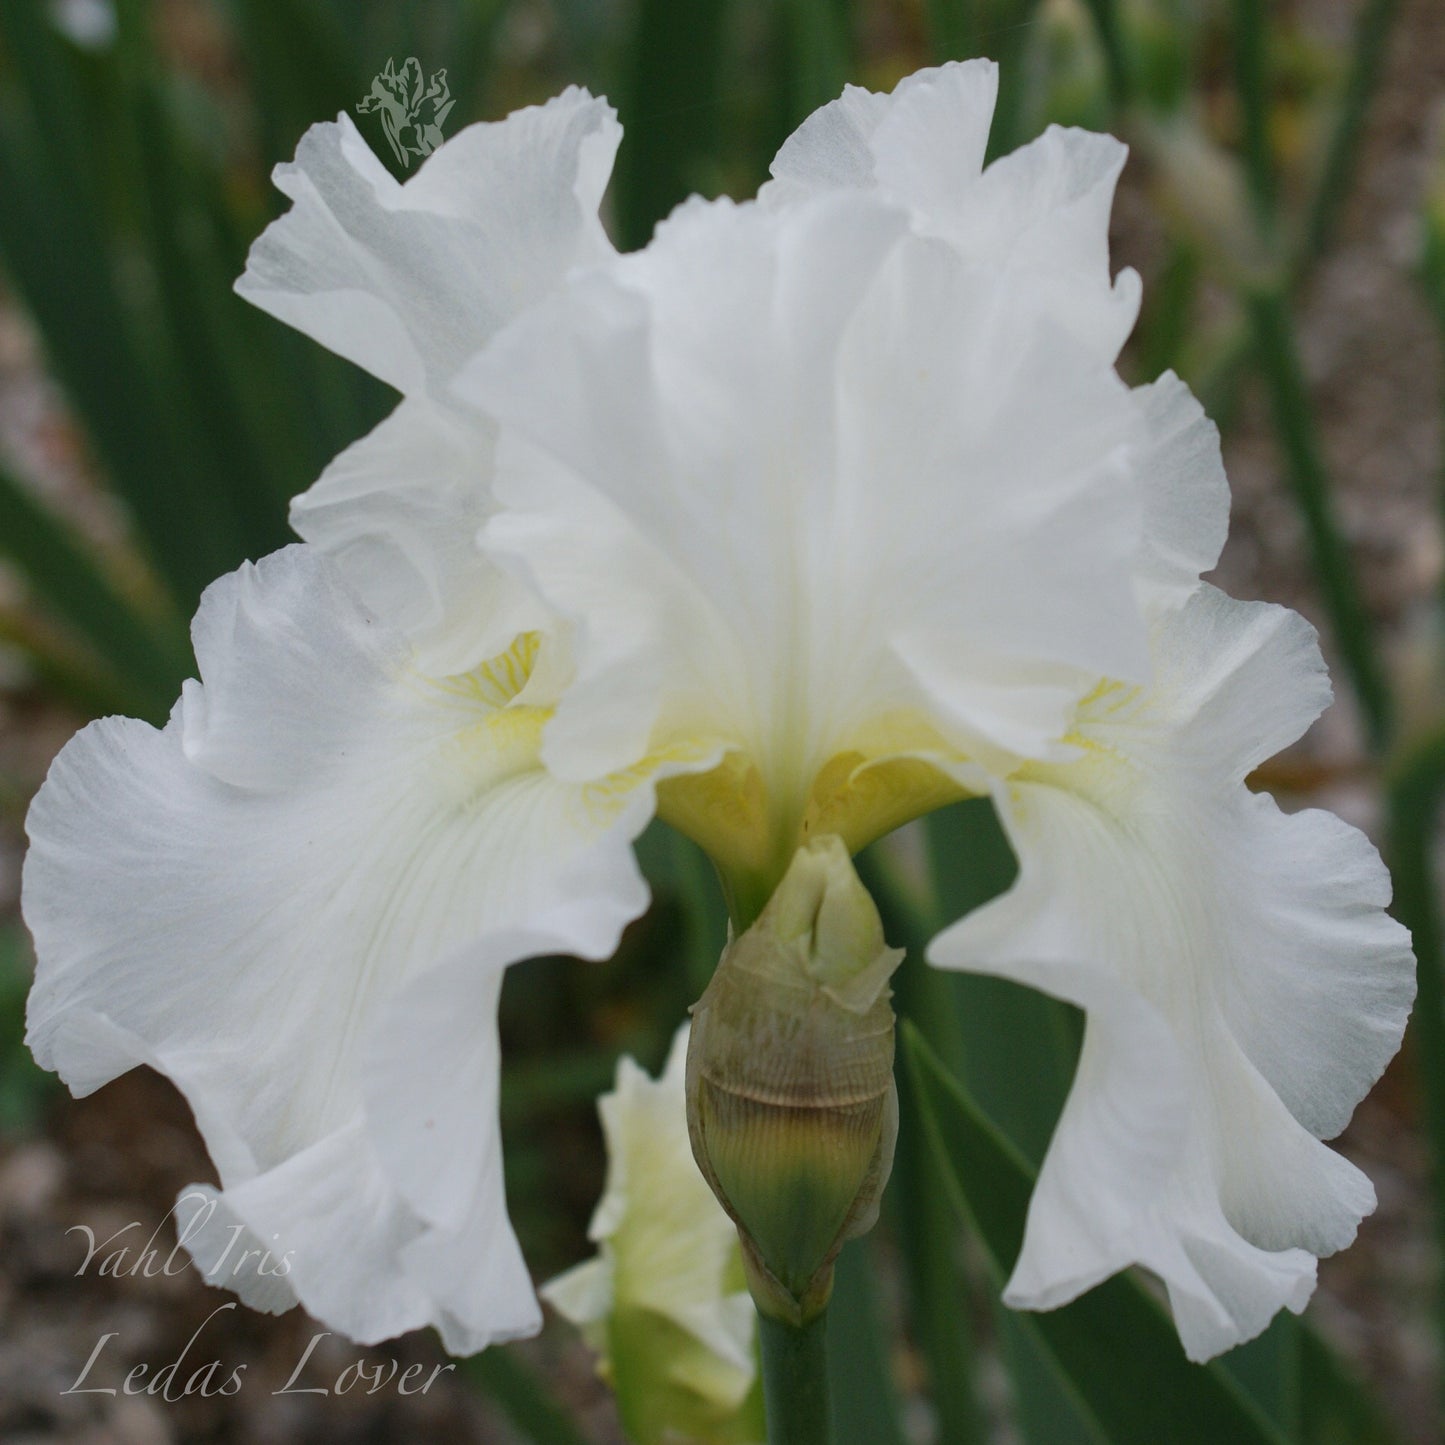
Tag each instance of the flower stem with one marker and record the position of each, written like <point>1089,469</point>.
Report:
<point>795,1380</point>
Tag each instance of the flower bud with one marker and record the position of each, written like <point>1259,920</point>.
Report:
<point>663,1302</point>
<point>790,1098</point>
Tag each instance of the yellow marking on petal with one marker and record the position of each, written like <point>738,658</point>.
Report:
<point>1119,694</point>
<point>494,737</point>
<point>749,828</point>
<point>1102,766</point>
<point>861,799</point>
<point>605,797</point>
<point>498,736</point>
<point>724,811</point>
<point>496,682</point>
<point>502,745</point>
<point>751,831</point>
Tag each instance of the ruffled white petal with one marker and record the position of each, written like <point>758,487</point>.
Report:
<point>1044,209</point>
<point>1184,490</point>
<point>398,513</point>
<point>407,279</point>
<point>825,470</point>
<point>296,901</point>
<point>925,141</point>
<point>1243,984</point>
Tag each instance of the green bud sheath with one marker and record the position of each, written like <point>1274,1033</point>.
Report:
<point>791,1105</point>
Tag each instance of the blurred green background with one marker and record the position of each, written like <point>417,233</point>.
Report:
<point>1284,208</point>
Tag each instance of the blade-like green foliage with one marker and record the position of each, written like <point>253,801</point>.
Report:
<point>1298,433</point>
<point>148,656</point>
<point>1373,26</point>
<point>61,257</point>
<point>866,1408</point>
<point>1334,1408</point>
<point>1115,1348</point>
<point>817,38</point>
<point>303,65</point>
<point>25,1088</point>
<point>671,111</point>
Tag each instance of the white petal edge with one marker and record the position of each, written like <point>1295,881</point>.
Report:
<point>926,140</point>
<point>1184,490</point>
<point>1043,209</point>
<point>398,513</point>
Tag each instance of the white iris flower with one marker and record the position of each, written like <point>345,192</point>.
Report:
<point>820,512</point>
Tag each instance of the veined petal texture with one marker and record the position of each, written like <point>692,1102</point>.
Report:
<point>296,900</point>
<point>1242,983</point>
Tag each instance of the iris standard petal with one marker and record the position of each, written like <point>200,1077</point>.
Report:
<point>847,460</point>
<point>1043,209</point>
<point>407,279</point>
<point>253,900</point>
<point>1243,985</point>
<point>398,514</point>
<point>925,141</point>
